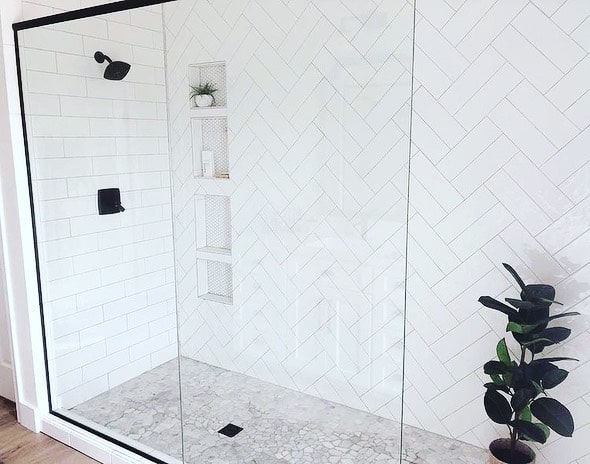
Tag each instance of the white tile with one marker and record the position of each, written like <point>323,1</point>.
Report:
<point>516,199</point>
<point>548,37</point>
<point>569,89</point>
<point>522,132</point>
<point>545,117</point>
<point>55,84</point>
<point>488,27</point>
<point>488,96</point>
<point>539,187</point>
<point>440,120</point>
<point>571,14</point>
<point>438,49</point>
<point>467,273</point>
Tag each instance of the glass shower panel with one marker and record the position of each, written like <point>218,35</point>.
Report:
<point>289,212</point>
<point>98,151</point>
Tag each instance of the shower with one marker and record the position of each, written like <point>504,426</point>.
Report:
<point>115,70</point>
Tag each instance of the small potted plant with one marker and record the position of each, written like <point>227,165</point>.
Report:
<point>203,94</point>
<point>517,395</point>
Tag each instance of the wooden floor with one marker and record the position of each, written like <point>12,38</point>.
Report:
<point>21,446</point>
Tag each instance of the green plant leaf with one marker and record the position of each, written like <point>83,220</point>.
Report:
<point>489,302</point>
<point>502,352</point>
<point>554,415</point>
<point>497,407</point>
<point>547,300</point>
<point>510,269</point>
<point>554,359</point>
<point>495,386</point>
<point>539,389</point>
<point>515,327</point>
<point>531,431</point>
<point>545,429</point>
<point>525,414</point>
<point>519,303</point>
<point>497,379</point>
<point>494,367</point>
<point>556,334</point>
<point>553,378</point>
<point>558,316</point>
<point>522,398</point>
<point>538,341</point>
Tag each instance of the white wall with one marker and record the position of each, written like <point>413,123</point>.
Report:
<point>107,280</point>
<point>501,173</point>
<point>7,389</point>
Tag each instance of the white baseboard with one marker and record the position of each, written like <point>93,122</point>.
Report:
<point>6,382</point>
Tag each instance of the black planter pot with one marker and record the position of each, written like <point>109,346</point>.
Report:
<point>500,453</point>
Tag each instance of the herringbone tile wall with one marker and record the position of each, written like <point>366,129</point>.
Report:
<point>318,102</point>
<point>500,173</point>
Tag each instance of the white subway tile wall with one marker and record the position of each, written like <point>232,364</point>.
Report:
<point>508,180</point>
<point>107,281</point>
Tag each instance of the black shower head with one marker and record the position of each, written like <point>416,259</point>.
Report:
<point>116,70</point>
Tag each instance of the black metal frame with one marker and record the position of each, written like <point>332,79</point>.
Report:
<point>30,24</point>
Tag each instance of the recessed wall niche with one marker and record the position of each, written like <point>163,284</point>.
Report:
<point>209,124</point>
<point>214,239</point>
<point>213,73</point>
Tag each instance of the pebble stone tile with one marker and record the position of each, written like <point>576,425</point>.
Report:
<point>281,426</point>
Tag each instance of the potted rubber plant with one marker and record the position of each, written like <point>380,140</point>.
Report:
<point>203,94</point>
<point>518,394</point>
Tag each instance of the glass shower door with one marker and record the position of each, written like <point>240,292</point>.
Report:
<point>100,182</point>
<point>290,207</point>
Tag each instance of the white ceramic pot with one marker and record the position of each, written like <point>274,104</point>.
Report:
<point>203,100</point>
<point>526,454</point>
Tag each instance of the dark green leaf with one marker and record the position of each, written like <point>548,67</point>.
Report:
<point>538,341</point>
<point>554,359</point>
<point>554,415</point>
<point>556,334</point>
<point>541,294</point>
<point>531,431</point>
<point>502,352</point>
<point>497,379</point>
<point>510,269</point>
<point>536,371</point>
<point>547,300</point>
<point>489,302</point>
<point>553,378</point>
<point>522,398</point>
<point>497,407</point>
<point>495,386</point>
<point>494,367</point>
<point>521,328</point>
<point>544,428</point>
<point>520,303</point>
<point>558,316</point>
<point>538,388</point>
<point>525,414</point>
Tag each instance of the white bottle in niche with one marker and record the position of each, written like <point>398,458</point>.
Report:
<point>208,163</point>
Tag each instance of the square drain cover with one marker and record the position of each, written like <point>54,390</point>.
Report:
<point>230,430</point>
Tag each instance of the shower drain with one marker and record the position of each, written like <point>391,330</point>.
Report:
<point>230,430</point>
